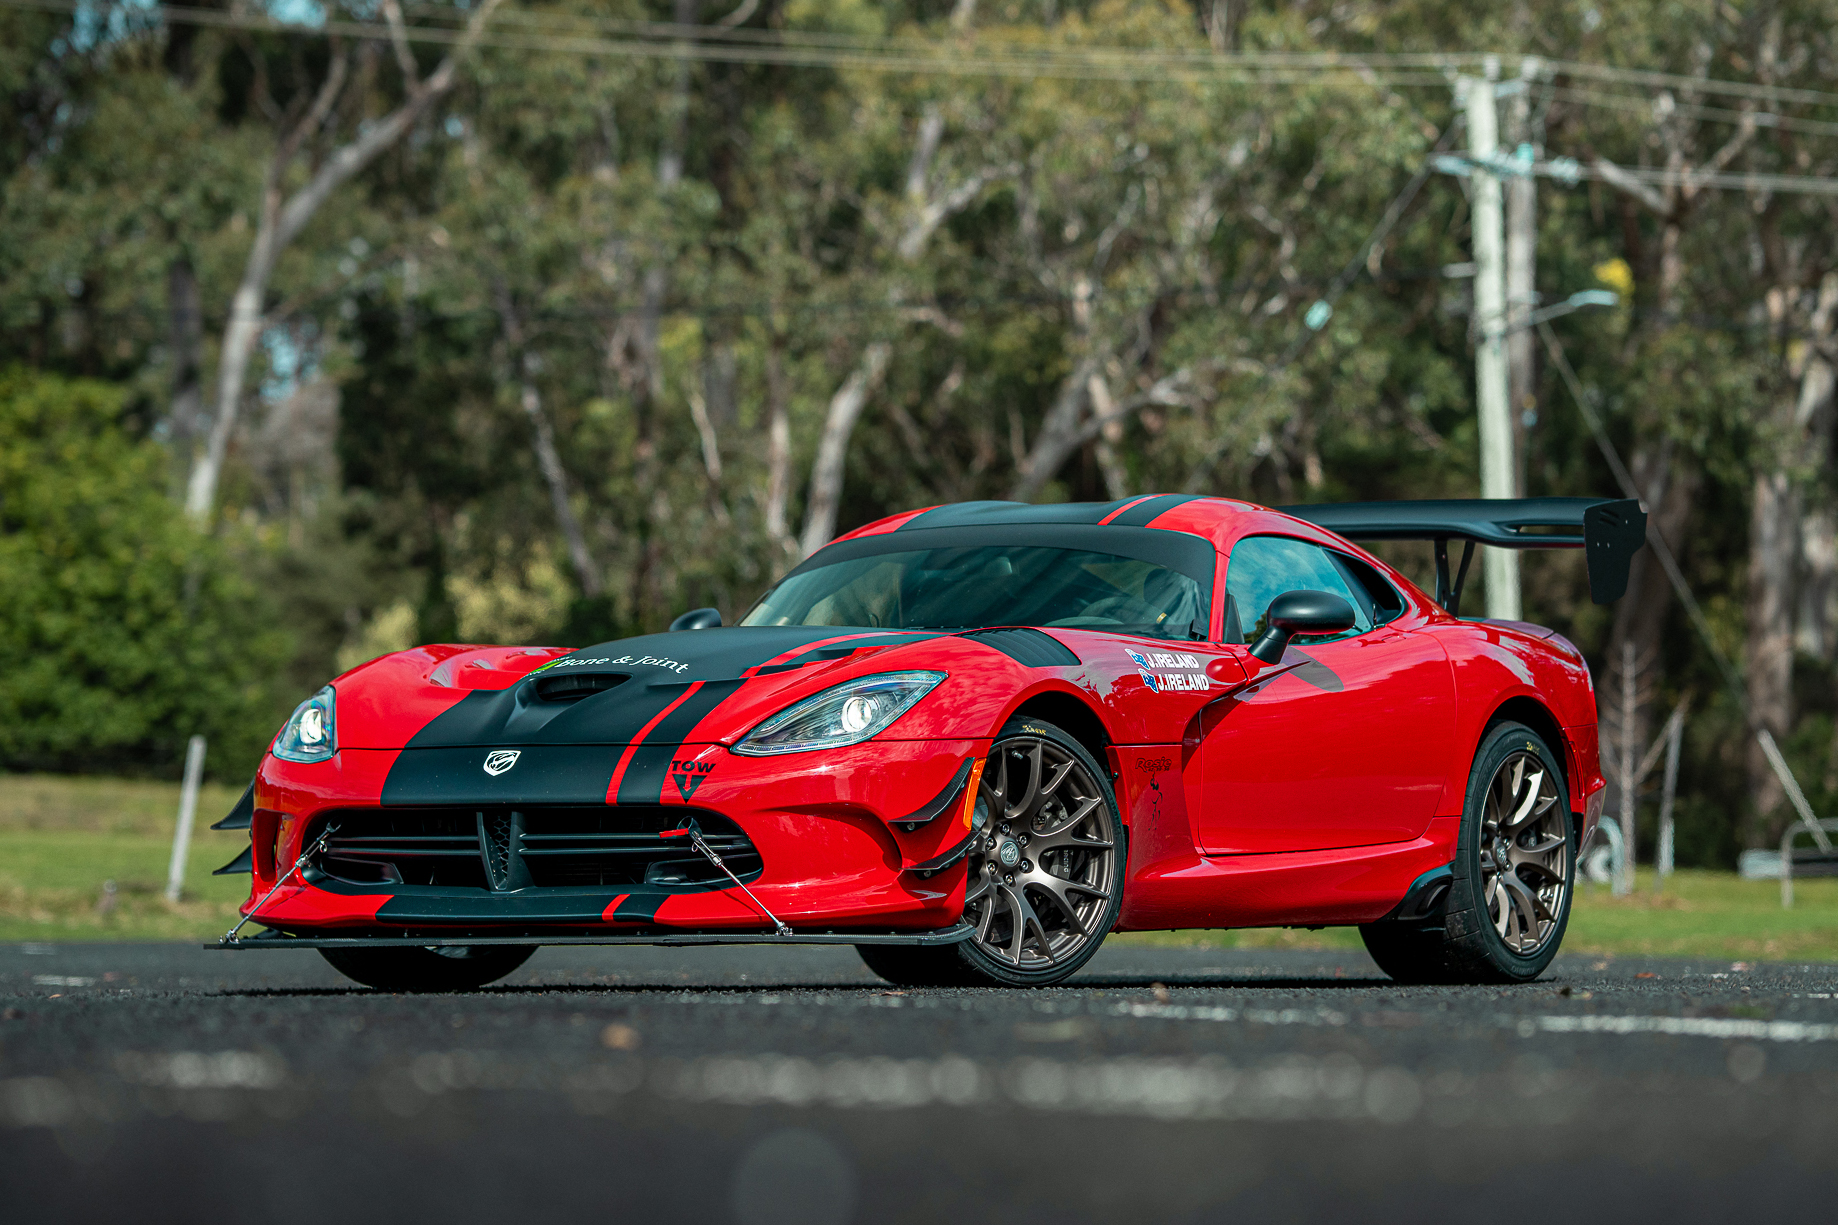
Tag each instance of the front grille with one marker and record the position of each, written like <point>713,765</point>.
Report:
<point>498,849</point>
<point>622,846</point>
<point>498,831</point>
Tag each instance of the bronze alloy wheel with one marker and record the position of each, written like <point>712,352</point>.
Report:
<point>1525,853</point>
<point>1043,864</point>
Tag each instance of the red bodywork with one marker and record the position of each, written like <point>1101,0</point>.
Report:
<point>1290,802</point>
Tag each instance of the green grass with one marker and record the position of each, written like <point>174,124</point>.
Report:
<point>61,838</point>
<point>1700,914</point>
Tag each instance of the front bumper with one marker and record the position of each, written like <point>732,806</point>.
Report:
<point>835,853</point>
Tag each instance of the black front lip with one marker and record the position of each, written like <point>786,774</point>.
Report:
<point>955,934</point>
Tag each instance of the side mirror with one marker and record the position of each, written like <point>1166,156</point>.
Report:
<point>1300,612</point>
<point>697,619</point>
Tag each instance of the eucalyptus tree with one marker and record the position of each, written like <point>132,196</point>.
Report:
<point>331,135</point>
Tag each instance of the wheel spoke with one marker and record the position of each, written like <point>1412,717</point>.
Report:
<point>1524,812</point>
<point>1497,908</point>
<point>1059,776</point>
<point>1542,869</point>
<point>986,921</point>
<point>1059,889</point>
<point>1017,808</point>
<point>1065,836</point>
<point>1525,906</point>
<point>1022,917</point>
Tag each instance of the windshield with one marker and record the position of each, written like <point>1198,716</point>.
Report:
<point>985,585</point>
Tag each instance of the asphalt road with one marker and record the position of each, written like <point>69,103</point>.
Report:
<point>167,1083</point>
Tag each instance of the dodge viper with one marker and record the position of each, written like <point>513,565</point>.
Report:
<point>971,741</point>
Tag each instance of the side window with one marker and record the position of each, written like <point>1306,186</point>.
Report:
<point>1381,598</point>
<point>1262,568</point>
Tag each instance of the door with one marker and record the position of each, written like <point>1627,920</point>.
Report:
<point>1349,748</point>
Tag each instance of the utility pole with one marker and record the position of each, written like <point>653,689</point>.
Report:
<point>188,808</point>
<point>1500,567</point>
<point>1521,270</point>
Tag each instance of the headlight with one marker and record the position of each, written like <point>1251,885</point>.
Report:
<point>848,714</point>
<point>311,733</point>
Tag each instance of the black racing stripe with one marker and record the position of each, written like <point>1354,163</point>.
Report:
<point>982,514</point>
<point>542,774</point>
<point>586,906</point>
<point>956,514</point>
<point>649,769</point>
<point>1145,511</point>
<point>508,716</point>
<point>639,908</point>
<point>660,665</point>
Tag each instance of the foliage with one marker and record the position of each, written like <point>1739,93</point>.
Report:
<point>124,634</point>
<point>674,269</point>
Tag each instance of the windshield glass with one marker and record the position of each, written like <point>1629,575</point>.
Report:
<point>985,585</point>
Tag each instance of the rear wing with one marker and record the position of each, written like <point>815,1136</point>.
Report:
<point>1610,532</point>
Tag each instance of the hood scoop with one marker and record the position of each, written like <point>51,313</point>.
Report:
<point>573,686</point>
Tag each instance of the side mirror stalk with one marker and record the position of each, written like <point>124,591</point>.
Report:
<point>1300,612</point>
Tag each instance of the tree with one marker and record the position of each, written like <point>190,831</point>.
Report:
<point>282,214</point>
<point>125,635</point>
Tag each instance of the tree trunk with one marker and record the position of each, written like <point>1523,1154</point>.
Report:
<point>1768,674</point>
<point>1059,433</point>
<point>833,447</point>
<point>185,337</point>
<point>281,223</point>
<point>778,455</point>
<point>1777,526</point>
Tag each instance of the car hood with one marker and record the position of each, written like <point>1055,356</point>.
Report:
<point>660,686</point>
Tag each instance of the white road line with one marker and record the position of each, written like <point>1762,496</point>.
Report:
<point>1692,1027</point>
<point>1525,1026</point>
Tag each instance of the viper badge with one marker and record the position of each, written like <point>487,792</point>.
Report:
<point>499,760</point>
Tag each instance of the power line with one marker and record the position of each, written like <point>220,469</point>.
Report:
<point>1645,106</point>
<point>982,55</point>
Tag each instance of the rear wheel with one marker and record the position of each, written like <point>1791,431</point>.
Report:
<point>1045,870</point>
<point>438,968</point>
<point>1515,869</point>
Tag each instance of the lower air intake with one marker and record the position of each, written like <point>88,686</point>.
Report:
<point>505,849</point>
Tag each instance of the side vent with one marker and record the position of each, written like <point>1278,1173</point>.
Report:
<point>573,686</point>
<point>1027,647</point>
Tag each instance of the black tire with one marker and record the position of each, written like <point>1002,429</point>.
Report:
<point>1064,908</point>
<point>442,968</point>
<point>1488,932</point>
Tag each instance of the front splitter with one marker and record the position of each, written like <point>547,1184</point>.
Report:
<point>273,940</point>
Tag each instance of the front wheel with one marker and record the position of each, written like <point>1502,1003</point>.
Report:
<point>1514,872</point>
<point>437,968</point>
<point>1045,870</point>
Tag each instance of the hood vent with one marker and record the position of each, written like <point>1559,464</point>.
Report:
<point>573,686</point>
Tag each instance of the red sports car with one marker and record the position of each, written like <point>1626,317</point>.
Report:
<point>971,741</point>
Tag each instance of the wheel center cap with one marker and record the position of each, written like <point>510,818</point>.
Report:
<point>1009,854</point>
